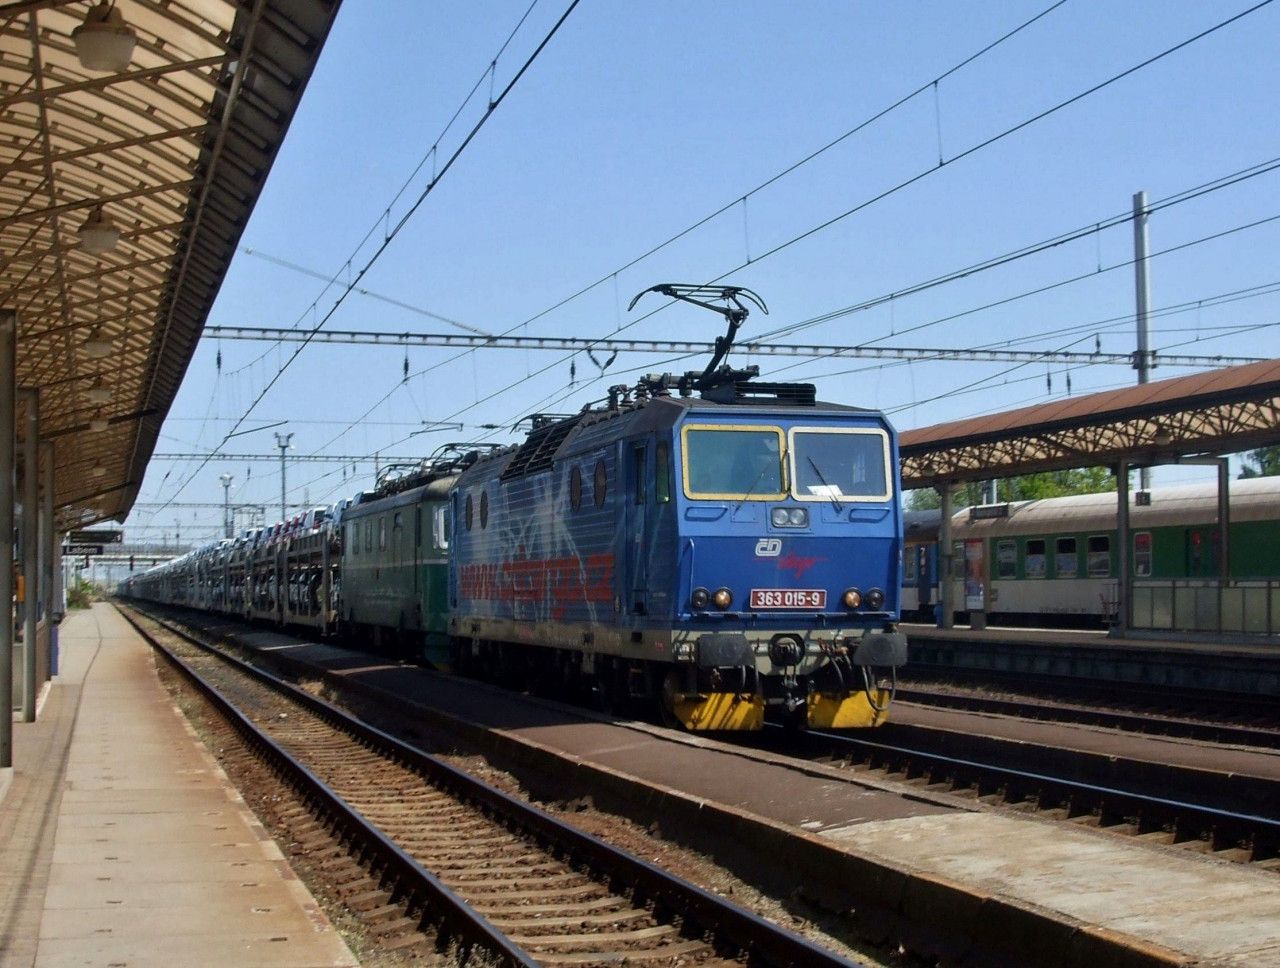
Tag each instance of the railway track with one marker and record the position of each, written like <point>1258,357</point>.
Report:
<point>1167,805</point>
<point>410,842</point>
<point>1151,723</point>
<point>1157,709</point>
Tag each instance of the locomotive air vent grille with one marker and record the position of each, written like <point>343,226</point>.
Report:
<point>747,391</point>
<point>539,449</point>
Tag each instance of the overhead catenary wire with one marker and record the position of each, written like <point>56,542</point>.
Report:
<point>994,139</point>
<point>1195,192</point>
<point>981,145</point>
<point>384,215</point>
<point>728,206</point>
<point>392,232</point>
<point>1091,274</point>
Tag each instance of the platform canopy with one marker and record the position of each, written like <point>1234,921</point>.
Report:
<point>171,151</point>
<point>1218,412</point>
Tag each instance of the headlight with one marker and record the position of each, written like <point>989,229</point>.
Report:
<point>700,598</point>
<point>875,598</point>
<point>723,598</point>
<point>851,598</point>
<point>784,517</point>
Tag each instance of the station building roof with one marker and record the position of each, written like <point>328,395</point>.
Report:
<point>1217,412</point>
<point>173,151</point>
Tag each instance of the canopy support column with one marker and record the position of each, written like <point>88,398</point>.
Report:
<point>1124,610</point>
<point>51,560</point>
<point>946,590</point>
<point>8,495</point>
<point>30,550</point>
<point>1224,521</point>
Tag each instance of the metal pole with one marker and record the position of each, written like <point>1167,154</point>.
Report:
<point>1125,612</point>
<point>947,619</point>
<point>8,495</point>
<point>30,548</point>
<point>1224,521</point>
<point>226,505</point>
<point>282,441</point>
<point>1142,285</point>
<point>48,584</point>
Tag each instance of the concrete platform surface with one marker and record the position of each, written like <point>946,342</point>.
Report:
<point>122,843</point>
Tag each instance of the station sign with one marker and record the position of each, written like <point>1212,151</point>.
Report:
<point>96,536</point>
<point>986,512</point>
<point>82,549</point>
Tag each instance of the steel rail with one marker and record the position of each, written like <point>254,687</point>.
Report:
<point>1133,695</point>
<point>456,917</point>
<point>754,935</point>
<point>1134,721</point>
<point>1226,827</point>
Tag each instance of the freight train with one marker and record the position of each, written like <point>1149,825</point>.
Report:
<point>708,543</point>
<point>1055,561</point>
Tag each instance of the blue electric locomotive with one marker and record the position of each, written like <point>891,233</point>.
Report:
<point>714,543</point>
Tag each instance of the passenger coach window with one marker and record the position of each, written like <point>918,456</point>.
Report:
<point>831,464</point>
<point>1065,562</point>
<point>1007,559</point>
<point>733,462</point>
<point>1100,556</point>
<point>1034,566</point>
<point>1142,554</point>
<point>662,473</point>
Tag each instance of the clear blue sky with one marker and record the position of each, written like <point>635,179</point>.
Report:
<point>640,119</point>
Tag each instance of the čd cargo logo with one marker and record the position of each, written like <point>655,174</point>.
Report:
<point>768,547</point>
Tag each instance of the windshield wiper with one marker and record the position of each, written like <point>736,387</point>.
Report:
<point>756,483</point>
<point>831,491</point>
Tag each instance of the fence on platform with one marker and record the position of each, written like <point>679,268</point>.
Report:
<point>1234,606</point>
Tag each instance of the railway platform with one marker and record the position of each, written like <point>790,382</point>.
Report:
<point>1242,668</point>
<point>122,842</point>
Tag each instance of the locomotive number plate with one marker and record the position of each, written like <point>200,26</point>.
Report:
<point>788,598</point>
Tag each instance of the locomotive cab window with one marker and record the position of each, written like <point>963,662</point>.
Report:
<point>441,528</point>
<point>662,473</point>
<point>830,464</point>
<point>733,462</point>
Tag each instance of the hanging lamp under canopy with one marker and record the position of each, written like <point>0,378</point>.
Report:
<point>104,42</point>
